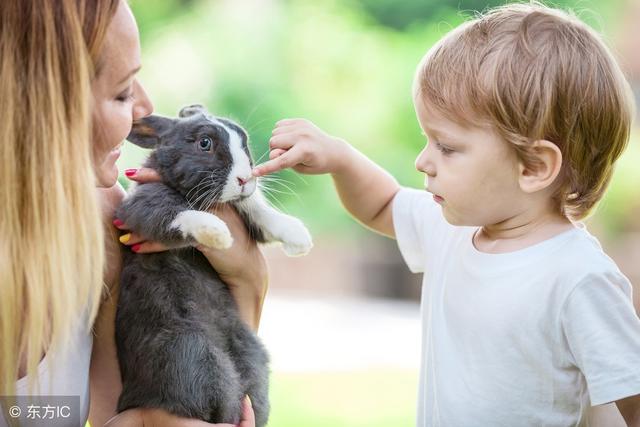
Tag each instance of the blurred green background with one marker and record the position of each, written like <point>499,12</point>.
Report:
<point>347,66</point>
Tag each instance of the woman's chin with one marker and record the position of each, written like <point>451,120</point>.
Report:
<point>107,177</point>
<point>107,171</point>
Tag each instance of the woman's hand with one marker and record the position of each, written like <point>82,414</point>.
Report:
<point>154,417</point>
<point>242,267</point>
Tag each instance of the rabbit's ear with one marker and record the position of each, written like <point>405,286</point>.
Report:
<point>147,131</point>
<point>190,110</point>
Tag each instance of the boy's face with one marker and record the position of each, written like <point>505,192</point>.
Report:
<point>471,171</point>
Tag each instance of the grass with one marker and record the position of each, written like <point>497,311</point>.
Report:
<point>345,399</point>
<point>354,399</point>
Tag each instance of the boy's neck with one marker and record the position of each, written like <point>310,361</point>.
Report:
<point>520,231</point>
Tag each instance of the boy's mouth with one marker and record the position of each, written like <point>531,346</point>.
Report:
<point>437,198</point>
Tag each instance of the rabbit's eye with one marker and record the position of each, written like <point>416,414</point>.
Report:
<point>205,143</point>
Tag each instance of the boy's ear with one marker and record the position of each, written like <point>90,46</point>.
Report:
<point>146,132</point>
<point>544,169</point>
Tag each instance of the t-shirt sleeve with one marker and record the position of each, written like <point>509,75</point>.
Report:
<point>603,333</point>
<point>416,220</point>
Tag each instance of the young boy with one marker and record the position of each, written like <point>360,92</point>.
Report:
<point>526,321</point>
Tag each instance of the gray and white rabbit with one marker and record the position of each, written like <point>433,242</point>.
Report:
<point>181,343</point>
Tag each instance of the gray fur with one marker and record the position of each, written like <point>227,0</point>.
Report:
<point>181,343</point>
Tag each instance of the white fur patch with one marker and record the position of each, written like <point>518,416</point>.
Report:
<point>240,167</point>
<point>295,238</point>
<point>290,231</point>
<point>206,228</point>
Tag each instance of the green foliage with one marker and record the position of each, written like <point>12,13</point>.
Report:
<point>345,65</point>
<point>401,15</point>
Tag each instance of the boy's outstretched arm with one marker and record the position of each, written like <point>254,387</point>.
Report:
<point>365,189</point>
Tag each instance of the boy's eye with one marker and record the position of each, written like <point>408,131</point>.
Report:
<point>444,149</point>
<point>205,143</point>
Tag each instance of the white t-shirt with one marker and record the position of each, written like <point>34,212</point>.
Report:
<point>532,337</point>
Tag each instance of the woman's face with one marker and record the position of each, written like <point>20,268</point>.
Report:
<point>118,96</point>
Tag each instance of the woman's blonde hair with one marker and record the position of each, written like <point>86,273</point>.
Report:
<point>51,244</point>
<point>531,72</point>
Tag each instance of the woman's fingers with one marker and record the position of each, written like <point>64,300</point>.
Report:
<point>159,417</point>
<point>128,418</point>
<point>119,224</point>
<point>248,417</point>
<point>131,239</point>
<point>143,175</point>
<point>148,247</point>
<point>136,242</point>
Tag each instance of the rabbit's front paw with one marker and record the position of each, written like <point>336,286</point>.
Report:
<point>207,229</point>
<point>295,238</point>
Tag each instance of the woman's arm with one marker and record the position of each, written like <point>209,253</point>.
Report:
<point>242,267</point>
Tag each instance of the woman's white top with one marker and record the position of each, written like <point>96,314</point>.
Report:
<point>62,399</point>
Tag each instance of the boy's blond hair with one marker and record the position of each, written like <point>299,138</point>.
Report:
<point>531,72</point>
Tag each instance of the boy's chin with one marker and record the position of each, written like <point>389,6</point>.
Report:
<point>454,219</point>
<point>451,219</point>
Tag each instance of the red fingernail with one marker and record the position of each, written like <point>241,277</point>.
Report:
<point>118,223</point>
<point>136,248</point>
<point>130,172</point>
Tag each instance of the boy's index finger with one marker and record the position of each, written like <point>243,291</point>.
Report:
<point>288,122</point>
<point>285,122</point>
<point>267,167</point>
<point>273,165</point>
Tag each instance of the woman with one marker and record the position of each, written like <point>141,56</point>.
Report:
<point>68,96</point>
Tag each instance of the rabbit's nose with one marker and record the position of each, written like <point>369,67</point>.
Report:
<point>243,181</point>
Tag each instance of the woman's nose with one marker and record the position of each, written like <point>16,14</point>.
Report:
<point>424,163</point>
<point>143,106</point>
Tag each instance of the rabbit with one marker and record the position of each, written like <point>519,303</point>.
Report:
<point>181,343</point>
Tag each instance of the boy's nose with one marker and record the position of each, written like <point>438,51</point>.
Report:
<point>424,164</point>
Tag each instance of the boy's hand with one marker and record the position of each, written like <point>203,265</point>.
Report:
<point>301,145</point>
<point>365,189</point>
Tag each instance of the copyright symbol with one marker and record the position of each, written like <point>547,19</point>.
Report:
<point>14,412</point>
